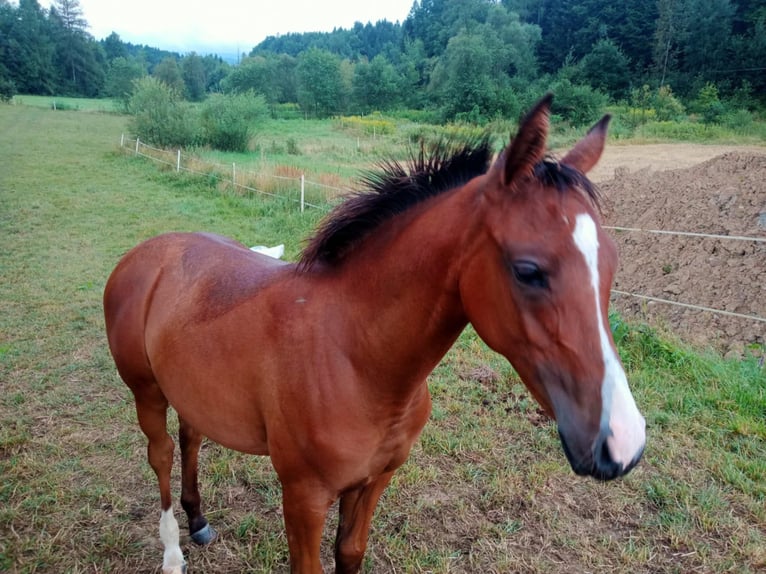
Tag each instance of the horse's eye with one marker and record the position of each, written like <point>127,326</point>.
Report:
<point>529,274</point>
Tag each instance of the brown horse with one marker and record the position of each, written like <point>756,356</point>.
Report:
<point>322,365</point>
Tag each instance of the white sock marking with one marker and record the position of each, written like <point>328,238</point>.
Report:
<point>619,412</point>
<point>173,559</point>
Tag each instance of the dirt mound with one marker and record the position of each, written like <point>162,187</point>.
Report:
<point>724,196</point>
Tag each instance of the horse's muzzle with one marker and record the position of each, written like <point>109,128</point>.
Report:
<point>598,463</point>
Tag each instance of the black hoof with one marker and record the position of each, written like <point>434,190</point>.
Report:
<point>204,535</point>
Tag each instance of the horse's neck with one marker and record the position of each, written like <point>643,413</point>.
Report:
<point>403,290</point>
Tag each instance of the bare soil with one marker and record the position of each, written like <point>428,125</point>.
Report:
<point>694,188</point>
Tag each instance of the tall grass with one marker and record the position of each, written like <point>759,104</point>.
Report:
<point>487,488</point>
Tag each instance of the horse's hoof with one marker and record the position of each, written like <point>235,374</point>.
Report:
<point>175,569</point>
<point>204,535</point>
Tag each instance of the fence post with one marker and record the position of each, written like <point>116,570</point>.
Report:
<point>122,140</point>
<point>234,175</point>
<point>137,145</point>
<point>178,161</point>
<point>303,192</point>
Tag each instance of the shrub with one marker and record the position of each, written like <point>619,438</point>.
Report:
<point>292,147</point>
<point>635,117</point>
<point>579,104</point>
<point>160,117</point>
<point>709,105</point>
<point>739,121</point>
<point>7,89</point>
<point>666,105</point>
<point>227,119</point>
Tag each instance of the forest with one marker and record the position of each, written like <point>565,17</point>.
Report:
<point>470,60</point>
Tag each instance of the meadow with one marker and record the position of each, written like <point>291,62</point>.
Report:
<point>487,488</point>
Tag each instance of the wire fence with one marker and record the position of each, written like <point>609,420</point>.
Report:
<point>296,189</point>
<point>320,196</point>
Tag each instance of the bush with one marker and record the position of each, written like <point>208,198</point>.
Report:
<point>292,147</point>
<point>227,119</point>
<point>160,117</point>
<point>739,121</point>
<point>579,104</point>
<point>635,117</point>
<point>7,89</point>
<point>666,105</point>
<point>709,105</point>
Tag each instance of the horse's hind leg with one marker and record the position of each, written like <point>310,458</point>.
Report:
<point>201,532</point>
<point>151,407</point>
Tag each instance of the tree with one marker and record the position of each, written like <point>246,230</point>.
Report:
<point>114,47</point>
<point>320,83</point>
<point>71,15</point>
<point>666,37</point>
<point>514,51</point>
<point>121,78</point>
<point>286,80</point>
<point>573,27</point>
<point>579,104</point>
<point>78,59</point>
<point>28,49</point>
<point>376,85</point>
<point>607,69</point>
<point>194,77</point>
<point>462,80</point>
<point>415,71</point>
<point>159,116</point>
<point>257,74</point>
<point>227,119</point>
<point>168,72</point>
<point>706,39</point>
<point>215,71</point>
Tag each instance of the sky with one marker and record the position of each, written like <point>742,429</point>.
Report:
<point>227,26</point>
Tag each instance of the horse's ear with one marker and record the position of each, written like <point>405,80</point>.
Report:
<point>586,153</point>
<point>528,147</point>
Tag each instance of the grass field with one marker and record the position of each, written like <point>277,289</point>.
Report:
<point>487,488</point>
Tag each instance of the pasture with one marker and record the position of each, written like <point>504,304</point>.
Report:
<point>487,488</point>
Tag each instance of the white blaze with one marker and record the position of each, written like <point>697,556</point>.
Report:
<point>173,562</point>
<point>619,412</point>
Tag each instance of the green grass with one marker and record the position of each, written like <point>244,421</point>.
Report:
<point>487,487</point>
<point>64,103</point>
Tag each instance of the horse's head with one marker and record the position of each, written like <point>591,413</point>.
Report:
<point>536,288</point>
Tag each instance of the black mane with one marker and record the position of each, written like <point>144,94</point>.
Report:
<point>392,190</point>
<point>395,188</point>
<point>551,173</point>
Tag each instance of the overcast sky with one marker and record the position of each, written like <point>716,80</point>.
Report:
<point>232,26</point>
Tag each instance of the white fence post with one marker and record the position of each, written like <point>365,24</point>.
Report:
<point>234,175</point>
<point>303,192</point>
<point>122,140</point>
<point>178,160</point>
<point>137,145</point>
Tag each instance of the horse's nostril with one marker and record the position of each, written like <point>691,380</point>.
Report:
<point>602,453</point>
<point>604,467</point>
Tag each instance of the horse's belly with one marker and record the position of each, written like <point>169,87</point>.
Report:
<point>225,410</point>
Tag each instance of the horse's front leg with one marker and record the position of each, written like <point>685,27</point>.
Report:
<point>305,508</point>
<point>356,510</point>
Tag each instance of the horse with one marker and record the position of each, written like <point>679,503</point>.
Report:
<point>321,364</point>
